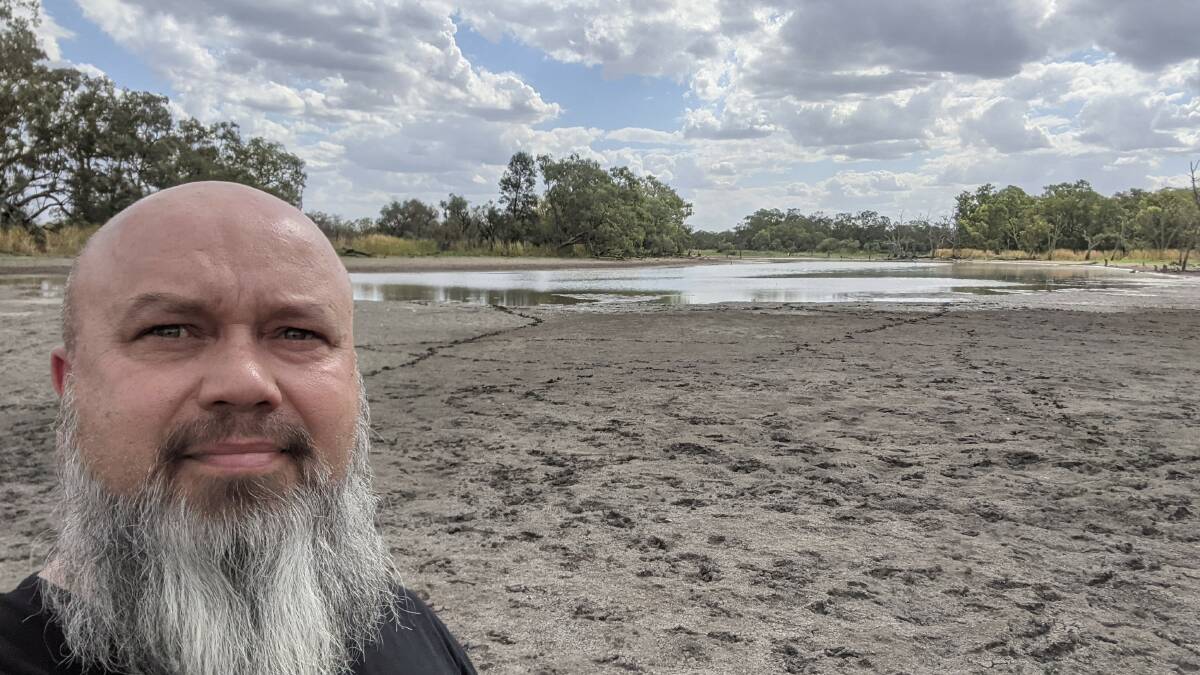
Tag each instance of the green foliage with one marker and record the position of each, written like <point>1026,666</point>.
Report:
<point>412,218</point>
<point>337,227</point>
<point>77,149</point>
<point>518,197</point>
<point>613,212</point>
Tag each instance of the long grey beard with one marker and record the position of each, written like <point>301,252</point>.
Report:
<point>295,585</point>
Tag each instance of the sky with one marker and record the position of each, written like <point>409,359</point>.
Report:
<point>817,105</point>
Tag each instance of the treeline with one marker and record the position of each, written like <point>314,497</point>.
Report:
<point>76,149</point>
<point>605,212</point>
<point>1065,216</point>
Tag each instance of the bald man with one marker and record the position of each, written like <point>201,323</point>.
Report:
<point>216,515</point>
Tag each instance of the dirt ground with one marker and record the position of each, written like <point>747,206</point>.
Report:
<point>761,488</point>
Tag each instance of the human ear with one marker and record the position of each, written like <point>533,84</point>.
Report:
<point>60,369</point>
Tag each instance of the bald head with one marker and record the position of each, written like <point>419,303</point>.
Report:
<point>209,302</point>
<point>207,224</point>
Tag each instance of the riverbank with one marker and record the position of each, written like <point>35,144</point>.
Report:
<point>762,487</point>
<point>21,265</point>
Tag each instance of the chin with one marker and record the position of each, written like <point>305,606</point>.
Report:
<point>221,493</point>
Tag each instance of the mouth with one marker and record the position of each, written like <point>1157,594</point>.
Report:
<point>238,454</point>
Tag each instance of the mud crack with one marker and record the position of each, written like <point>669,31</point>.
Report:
<point>436,349</point>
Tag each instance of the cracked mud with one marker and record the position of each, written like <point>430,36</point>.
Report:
<point>761,489</point>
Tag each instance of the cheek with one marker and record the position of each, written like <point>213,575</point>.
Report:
<point>327,402</point>
<point>121,423</point>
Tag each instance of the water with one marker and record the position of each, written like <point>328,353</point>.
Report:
<point>798,281</point>
<point>795,281</point>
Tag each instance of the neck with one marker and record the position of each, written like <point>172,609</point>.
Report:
<point>53,573</point>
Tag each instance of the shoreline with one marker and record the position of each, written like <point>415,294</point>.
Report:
<point>38,266</point>
<point>34,266</point>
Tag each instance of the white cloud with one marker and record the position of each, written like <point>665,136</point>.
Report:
<point>649,136</point>
<point>822,104</point>
<point>1004,125</point>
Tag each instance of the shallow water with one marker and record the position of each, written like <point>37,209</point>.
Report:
<point>796,281</point>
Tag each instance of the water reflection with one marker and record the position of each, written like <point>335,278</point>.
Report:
<point>798,281</point>
<point>44,287</point>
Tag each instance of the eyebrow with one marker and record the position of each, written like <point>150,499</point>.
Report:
<point>171,303</point>
<point>303,310</point>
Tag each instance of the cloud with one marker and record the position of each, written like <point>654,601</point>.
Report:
<point>821,104</point>
<point>1123,123</point>
<point>1004,126</point>
<point>1149,35</point>
<point>660,38</point>
<point>902,39</point>
<point>703,123</point>
<point>873,127</point>
<point>649,136</point>
<point>876,184</point>
<point>357,57</point>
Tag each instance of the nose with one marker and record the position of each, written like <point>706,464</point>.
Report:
<point>238,378</point>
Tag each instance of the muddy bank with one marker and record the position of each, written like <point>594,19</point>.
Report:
<point>759,489</point>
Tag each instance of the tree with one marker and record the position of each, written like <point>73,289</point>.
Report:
<point>576,202</point>
<point>519,199</point>
<point>935,234</point>
<point>1127,205</point>
<point>1192,230</point>
<point>76,148</point>
<point>457,223</point>
<point>413,219</point>
<point>218,152</point>
<point>1155,227</point>
<point>664,215</point>
<point>335,226</point>
<point>1103,226</point>
<point>32,105</point>
<point>1068,209</point>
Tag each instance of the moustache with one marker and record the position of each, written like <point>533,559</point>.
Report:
<point>290,437</point>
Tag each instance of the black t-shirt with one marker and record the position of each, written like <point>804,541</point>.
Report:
<point>31,641</point>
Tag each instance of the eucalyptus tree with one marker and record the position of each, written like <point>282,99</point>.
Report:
<point>519,199</point>
<point>411,218</point>
<point>1068,209</point>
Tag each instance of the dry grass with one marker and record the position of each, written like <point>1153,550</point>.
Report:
<point>385,245</point>
<point>15,241</point>
<point>62,242</point>
<point>1136,256</point>
<point>67,242</point>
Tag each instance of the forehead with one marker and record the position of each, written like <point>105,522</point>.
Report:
<point>225,263</point>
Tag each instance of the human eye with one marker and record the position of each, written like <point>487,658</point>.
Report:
<point>171,331</point>
<point>293,333</point>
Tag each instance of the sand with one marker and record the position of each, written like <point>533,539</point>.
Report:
<point>762,488</point>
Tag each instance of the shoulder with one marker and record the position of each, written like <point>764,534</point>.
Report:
<point>30,641</point>
<point>414,640</point>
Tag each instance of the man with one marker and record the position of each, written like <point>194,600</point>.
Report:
<point>216,516</point>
